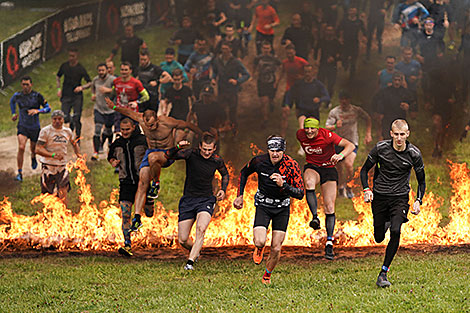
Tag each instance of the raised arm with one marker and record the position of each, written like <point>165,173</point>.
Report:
<point>124,111</point>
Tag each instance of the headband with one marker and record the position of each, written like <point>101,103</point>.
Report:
<point>277,144</point>
<point>311,123</point>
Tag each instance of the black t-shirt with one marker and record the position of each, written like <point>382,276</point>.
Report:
<point>73,76</point>
<point>351,30</point>
<point>392,173</point>
<point>200,172</point>
<point>301,38</point>
<point>438,12</point>
<point>267,66</point>
<point>150,73</point>
<point>329,48</point>
<point>179,100</point>
<point>130,48</point>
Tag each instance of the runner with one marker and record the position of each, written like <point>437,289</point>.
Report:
<point>100,88</point>
<point>52,148</point>
<point>394,159</point>
<point>129,90</point>
<point>319,145</point>
<point>130,47</point>
<point>125,154</point>
<point>159,132</point>
<point>29,106</point>
<point>198,202</point>
<point>279,178</point>
<point>343,120</point>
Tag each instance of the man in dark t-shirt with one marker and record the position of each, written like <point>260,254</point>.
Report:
<point>349,35</point>
<point>71,94</point>
<point>393,160</point>
<point>130,46</point>
<point>198,201</point>
<point>330,50</point>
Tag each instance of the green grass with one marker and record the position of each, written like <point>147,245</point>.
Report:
<point>103,284</point>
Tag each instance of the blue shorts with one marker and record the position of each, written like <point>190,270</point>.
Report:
<point>145,160</point>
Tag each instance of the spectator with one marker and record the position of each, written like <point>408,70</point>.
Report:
<point>71,94</point>
<point>264,19</point>
<point>101,86</point>
<point>29,106</point>
<point>199,66</point>
<point>230,73</point>
<point>52,149</point>
<point>130,46</point>
<point>151,76</point>
<point>299,36</point>
<point>349,37</point>
<point>185,38</point>
<point>266,65</point>
<point>169,65</point>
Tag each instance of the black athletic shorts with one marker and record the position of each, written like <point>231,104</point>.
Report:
<point>326,173</point>
<point>279,216</point>
<point>308,113</point>
<point>127,192</point>
<point>384,208</point>
<point>189,207</point>
<point>105,119</point>
<point>54,176</point>
<point>32,134</point>
<point>266,90</point>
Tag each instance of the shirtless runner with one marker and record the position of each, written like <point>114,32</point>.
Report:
<point>159,132</point>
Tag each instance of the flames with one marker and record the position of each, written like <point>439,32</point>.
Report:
<point>99,227</point>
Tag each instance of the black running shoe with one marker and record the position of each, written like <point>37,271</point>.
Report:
<point>125,251</point>
<point>329,252</point>
<point>382,280</point>
<point>135,225</point>
<point>315,223</point>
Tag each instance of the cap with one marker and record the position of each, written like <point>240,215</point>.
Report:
<point>311,123</point>
<point>58,113</point>
<point>170,51</point>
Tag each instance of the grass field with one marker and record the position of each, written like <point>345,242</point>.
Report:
<point>101,284</point>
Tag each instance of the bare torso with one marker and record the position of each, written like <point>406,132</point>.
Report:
<point>162,136</point>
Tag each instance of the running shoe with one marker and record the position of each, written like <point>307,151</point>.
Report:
<point>125,251</point>
<point>349,193</point>
<point>266,279</point>
<point>94,157</point>
<point>315,223</point>
<point>329,252</point>
<point>154,188</point>
<point>135,225</point>
<point>258,255</point>
<point>34,163</point>
<point>189,267</point>
<point>382,280</point>
<point>19,177</point>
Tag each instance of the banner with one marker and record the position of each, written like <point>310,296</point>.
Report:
<point>115,14</point>
<point>71,26</point>
<point>22,52</point>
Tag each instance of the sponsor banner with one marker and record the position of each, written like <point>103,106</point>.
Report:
<point>158,8</point>
<point>115,14</point>
<point>21,52</point>
<point>70,26</point>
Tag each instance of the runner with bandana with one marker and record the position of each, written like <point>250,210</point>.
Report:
<point>279,178</point>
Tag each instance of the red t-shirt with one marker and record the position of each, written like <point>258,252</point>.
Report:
<point>127,91</point>
<point>265,16</point>
<point>320,149</point>
<point>294,70</point>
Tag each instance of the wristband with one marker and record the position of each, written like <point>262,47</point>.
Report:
<point>53,155</point>
<point>366,189</point>
<point>178,146</point>
<point>341,154</point>
<point>114,107</point>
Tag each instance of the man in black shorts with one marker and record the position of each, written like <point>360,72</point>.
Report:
<point>266,65</point>
<point>279,178</point>
<point>198,201</point>
<point>394,159</point>
<point>125,154</point>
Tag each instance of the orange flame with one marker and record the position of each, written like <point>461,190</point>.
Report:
<point>99,228</point>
